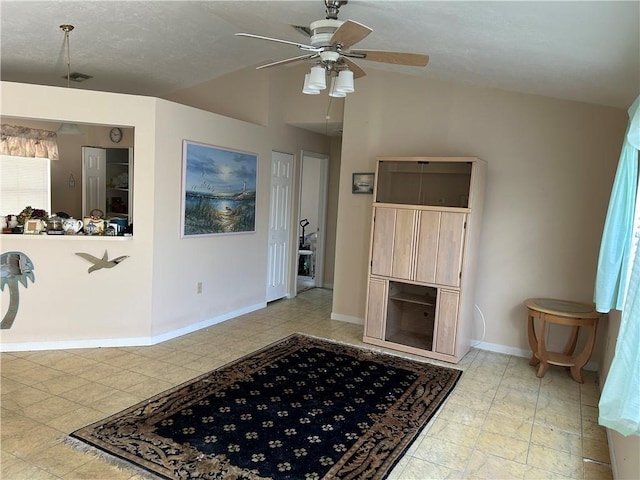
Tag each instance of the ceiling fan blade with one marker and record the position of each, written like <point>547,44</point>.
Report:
<point>357,71</point>
<point>289,60</point>
<point>398,58</point>
<point>311,48</point>
<point>350,33</point>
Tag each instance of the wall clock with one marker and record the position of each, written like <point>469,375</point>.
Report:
<point>115,134</point>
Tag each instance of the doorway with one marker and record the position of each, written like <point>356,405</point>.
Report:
<point>312,220</point>
<point>107,182</point>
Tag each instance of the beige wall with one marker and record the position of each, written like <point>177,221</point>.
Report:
<point>243,95</point>
<point>273,97</point>
<point>232,268</point>
<point>332,211</point>
<point>551,164</point>
<point>67,306</point>
<point>152,294</point>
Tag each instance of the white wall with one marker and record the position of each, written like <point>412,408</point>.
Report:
<point>550,168</point>
<point>232,268</point>
<point>66,304</point>
<point>153,292</point>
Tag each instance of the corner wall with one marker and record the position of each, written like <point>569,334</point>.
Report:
<point>550,168</point>
<point>66,306</point>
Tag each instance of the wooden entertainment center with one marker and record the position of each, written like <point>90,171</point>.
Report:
<point>427,213</point>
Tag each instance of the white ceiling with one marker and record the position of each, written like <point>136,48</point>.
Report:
<point>583,50</point>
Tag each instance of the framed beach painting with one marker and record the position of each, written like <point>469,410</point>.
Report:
<point>218,190</point>
<point>362,183</point>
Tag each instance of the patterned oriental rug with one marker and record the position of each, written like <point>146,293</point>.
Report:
<point>301,408</point>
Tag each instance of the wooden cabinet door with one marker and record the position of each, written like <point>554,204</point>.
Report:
<point>427,246</point>
<point>446,322</point>
<point>374,317</point>
<point>450,245</point>
<point>382,241</point>
<point>403,244</point>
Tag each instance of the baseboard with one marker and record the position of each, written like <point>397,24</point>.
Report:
<point>347,318</point>
<point>207,323</point>
<point>126,342</point>
<point>519,352</point>
<point>496,347</point>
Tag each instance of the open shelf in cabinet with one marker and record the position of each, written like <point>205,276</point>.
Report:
<point>411,314</point>
<point>118,179</point>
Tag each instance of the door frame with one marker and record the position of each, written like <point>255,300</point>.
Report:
<point>322,214</point>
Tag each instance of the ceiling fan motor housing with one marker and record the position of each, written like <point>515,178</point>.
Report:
<point>322,31</point>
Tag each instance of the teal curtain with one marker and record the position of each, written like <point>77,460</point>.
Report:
<point>620,399</point>
<point>618,228</point>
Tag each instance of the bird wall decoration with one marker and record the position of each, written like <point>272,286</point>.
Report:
<point>100,263</point>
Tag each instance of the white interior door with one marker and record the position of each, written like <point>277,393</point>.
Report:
<point>94,179</point>
<point>279,225</point>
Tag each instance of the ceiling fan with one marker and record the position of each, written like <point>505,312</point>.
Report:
<point>330,48</point>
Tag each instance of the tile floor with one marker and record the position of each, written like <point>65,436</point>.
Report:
<point>500,422</point>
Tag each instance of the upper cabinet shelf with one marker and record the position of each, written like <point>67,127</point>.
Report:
<point>428,182</point>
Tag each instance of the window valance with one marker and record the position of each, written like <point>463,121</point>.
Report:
<point>28,142</point>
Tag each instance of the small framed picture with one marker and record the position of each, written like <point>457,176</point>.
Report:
<point>362,183</point>
<point>33,227</point>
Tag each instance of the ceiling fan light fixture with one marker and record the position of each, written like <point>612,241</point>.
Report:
<point>344,83</point>
<point>334,92</point>
<point>317,78</point>
<point>306,89</point>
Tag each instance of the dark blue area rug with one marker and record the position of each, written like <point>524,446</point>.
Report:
<point>302,408</point>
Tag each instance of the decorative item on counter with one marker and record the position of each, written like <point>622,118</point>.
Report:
<point>14,267</point>
<point>54,225</point>
<point>30,213</point>
<point>12,221</point>
<point>34,226</point>
<point>119,224</point>
<point>104,262</point>
<point>71,225</point>
<point>12,225</point>
<point>94,224</point>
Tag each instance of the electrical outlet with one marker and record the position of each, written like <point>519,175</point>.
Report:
<point>199,287</point>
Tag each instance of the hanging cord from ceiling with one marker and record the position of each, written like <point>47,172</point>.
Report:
<point>327,117</point>
<point>66,29</point>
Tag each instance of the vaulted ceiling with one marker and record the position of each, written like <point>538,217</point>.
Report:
<point>581,50</point>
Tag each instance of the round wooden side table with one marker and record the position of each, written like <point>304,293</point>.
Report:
<point>562,312</point>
